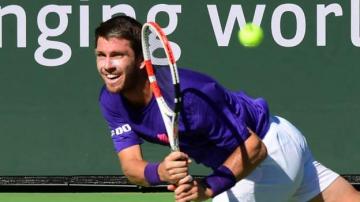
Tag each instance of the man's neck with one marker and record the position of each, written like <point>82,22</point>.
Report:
<point>140,96</point>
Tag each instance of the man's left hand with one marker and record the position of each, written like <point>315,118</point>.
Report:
<point>190,191</point>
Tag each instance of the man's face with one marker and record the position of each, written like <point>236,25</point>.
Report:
<point>117,64</point>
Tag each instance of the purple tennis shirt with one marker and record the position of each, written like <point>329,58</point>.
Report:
<point>213,120</point>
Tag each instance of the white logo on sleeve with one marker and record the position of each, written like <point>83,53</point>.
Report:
<point>120,130</point>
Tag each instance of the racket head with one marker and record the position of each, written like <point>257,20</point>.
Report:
<point>164,78</point>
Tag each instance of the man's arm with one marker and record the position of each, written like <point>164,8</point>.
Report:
<point>246,157</point>
<point>240,163</point>
<point>133,165</point>
<point>173,168</point>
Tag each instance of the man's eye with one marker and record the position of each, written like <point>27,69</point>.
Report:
<point>119,55</point>
<point>100,55</point>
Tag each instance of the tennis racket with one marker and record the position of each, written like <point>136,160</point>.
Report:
<point>164,79</point>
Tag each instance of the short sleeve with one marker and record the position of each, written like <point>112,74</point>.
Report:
<point>121,131</point>
<point>123,137</point>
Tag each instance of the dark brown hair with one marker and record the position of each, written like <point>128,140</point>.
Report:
<point>122,27</point>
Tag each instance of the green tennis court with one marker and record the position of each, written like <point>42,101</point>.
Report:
<point>86,197</point>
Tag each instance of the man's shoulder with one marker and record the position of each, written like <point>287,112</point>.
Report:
<point>110,101</point>
<point>105,95</point>
<point>190,78</point>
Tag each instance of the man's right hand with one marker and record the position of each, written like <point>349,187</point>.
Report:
<point>174,167</point>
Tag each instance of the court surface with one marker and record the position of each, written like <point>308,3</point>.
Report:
<point>87,197</point>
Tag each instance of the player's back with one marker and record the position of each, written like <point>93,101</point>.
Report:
<point>216,119</point>
<point>254,111</point>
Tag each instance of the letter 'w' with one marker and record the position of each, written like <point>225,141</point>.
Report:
<point>236,13</point>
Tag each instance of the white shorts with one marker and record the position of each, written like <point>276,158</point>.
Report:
<point>289,173</point>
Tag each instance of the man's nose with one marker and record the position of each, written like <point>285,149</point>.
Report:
<point>109,64</point>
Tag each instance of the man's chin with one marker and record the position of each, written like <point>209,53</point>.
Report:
<point>113,89</point>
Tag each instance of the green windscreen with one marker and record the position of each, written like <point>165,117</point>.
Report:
<point>307,68</point>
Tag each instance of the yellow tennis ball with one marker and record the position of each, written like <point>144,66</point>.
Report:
<point>250,35</point>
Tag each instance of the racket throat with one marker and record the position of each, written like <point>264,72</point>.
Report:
<point>171,127</point>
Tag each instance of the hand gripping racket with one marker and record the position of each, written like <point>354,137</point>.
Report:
<point>164,79</point>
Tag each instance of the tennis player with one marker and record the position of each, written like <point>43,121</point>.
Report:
<point>254,155</point>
